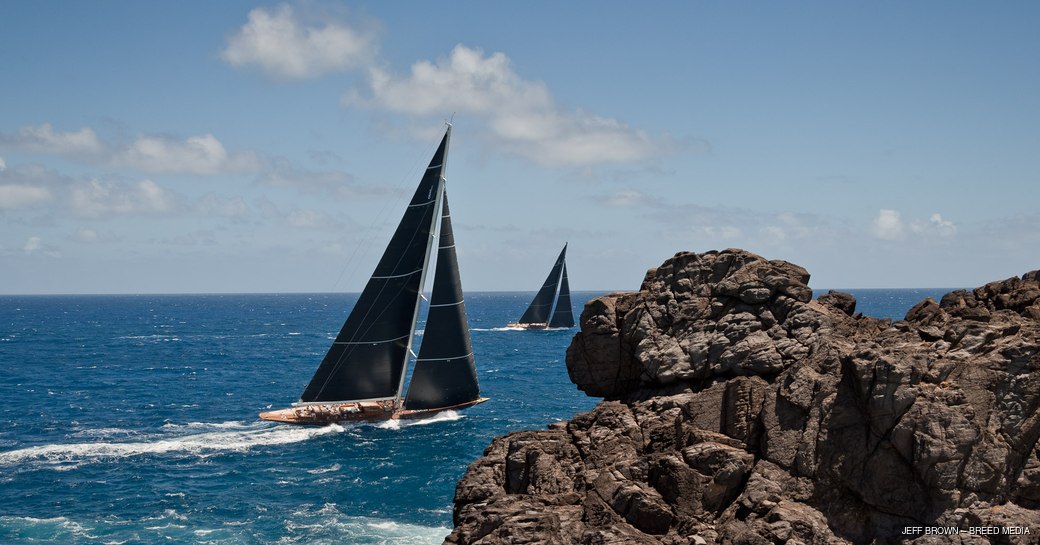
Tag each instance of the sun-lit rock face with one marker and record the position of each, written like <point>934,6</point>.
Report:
<point>740,411</point>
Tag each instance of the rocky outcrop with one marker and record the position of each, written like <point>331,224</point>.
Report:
<point>738,410</point>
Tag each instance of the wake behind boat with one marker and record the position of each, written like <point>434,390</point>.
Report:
<point>551,307</point>
<point>362,376</point>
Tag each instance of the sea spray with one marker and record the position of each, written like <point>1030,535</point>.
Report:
<point>201,444</point>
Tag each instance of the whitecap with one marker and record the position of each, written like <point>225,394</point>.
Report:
<point>331,469</point>
<point>59,456</point>
<point>392,424</point>
<point>103,433</point>
<point>232,424</point>
<point>443,416</point>
<point>328,525</point>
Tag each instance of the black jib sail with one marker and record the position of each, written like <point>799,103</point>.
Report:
<point>554,291</point>
<point>368,358</point>
<point>445,374</point>
<point>563,315</point>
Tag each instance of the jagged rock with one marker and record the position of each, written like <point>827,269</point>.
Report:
<point>842,301</point>
<point>739,411</point>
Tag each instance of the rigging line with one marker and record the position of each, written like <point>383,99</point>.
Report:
<point>364,319</point>
<point>370,229</point>
<point>445,359</point>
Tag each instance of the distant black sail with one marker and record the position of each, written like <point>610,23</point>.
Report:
<point>368,358</point>
<point>541,306</point>
<point>563,315</point>
<point>445,374</point>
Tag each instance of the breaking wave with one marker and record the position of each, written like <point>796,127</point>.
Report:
<point>224,437</point>
<point>306,525</point>
<point>443,416</point>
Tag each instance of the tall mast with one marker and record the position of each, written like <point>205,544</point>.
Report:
<point>539,311</point>
<point>556,292</point>
<point>426,261</point>
<point>368,358</point>
<point>445,372</point>
<point>563,314</point>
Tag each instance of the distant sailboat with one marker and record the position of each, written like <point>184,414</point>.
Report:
<point>363,374</point>
<point>551,307</point>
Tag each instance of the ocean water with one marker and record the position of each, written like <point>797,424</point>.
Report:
<point>132,419</point>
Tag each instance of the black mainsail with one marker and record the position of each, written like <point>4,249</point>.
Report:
<point>551,306</point>
<point>362,376</point>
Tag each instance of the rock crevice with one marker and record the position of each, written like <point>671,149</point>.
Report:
<point>737,410</point>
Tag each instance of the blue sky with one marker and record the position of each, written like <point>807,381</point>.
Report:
<point>150,147</point>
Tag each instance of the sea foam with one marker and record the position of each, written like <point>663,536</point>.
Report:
<point>61,455</point>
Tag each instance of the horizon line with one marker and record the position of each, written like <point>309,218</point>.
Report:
<point>816,291</point>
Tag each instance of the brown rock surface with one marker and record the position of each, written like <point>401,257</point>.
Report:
<point>739,411</point>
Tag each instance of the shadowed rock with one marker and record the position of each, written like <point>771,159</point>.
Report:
<point>739,411</point>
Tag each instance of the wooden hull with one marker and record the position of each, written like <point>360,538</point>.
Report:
<point>529,326</point>
<point>368,411</point>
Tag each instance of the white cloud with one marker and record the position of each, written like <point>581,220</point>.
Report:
<point>332,183</point>
<point>202,155</point>
<point>308,219</point>
<point>721,232</point>
<point>19,196</point>
<point>32,244</point>
<point>97,199</point>
<point>787,225</point>
<point>212,205</point>
<point>43,139</point>
<point>195,155</point>
<point>935,226</point>
<point>282,45</point>
<point>300,218</point>
<point>522,116</point>
<point>623,199</point>
<point>85,235</point>
<point>779,234</point>
<point>888,225</point>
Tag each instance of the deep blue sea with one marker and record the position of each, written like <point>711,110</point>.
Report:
<point>132,419</point>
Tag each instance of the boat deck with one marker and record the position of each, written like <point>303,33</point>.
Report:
<point>362,411</point>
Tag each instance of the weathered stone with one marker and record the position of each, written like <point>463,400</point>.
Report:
<point>739,411</point>
<point>841,301</point>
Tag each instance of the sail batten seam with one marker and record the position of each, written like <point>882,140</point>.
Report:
<point>372,342</point>
<point>398,275</point>
<point>448,304</point>
<point>446,359</point>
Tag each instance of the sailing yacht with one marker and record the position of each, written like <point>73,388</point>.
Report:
<point>551,306</point>
<point>362,377</point>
